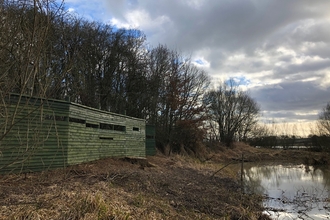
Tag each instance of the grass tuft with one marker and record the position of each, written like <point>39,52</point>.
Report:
<point>92,206</point>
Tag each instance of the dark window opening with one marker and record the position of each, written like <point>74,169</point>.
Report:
<point>136,129</point>
<point>77,120</point>
<point>150,137</point>
<point>106,126</point>
<point>112,127</point>
<point>119,128</point>
<point>106,138</point>
<point>89,125</point>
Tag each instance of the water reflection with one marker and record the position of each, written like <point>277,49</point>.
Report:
<point>291,191</point>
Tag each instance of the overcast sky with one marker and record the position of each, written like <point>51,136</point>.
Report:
<point>278,49</point>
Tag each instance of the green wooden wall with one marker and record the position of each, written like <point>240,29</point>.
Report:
<point>94,134</point>
<point>39,134</point>
<point>33,134</point>
<point>150,140</point>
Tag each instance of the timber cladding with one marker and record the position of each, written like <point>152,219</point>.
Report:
<point>39,134</point>
<point>150,140</point>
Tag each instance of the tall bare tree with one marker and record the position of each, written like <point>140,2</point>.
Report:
<point>234,111</point>
<point>175,91</point>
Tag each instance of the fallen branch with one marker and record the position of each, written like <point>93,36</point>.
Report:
<point>207,159</point>
<point>222,168</point>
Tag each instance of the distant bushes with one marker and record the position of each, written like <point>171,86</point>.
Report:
<point>315,143</point>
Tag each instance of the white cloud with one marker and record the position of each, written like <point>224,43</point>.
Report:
<point>120,24</point>
<point>325,82</point>
<point>137,18</point>
<point>71,10</point>
<point>201,62</point>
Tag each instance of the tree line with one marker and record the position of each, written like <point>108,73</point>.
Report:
<point>317,140</point>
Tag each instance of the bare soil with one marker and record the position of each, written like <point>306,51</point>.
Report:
<point>161,187</point>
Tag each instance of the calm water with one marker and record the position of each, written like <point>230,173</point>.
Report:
<point>291,191</point>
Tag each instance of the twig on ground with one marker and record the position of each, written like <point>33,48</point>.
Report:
<point>222,168</point>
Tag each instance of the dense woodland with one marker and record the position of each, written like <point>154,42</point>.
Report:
<point>48,52</point>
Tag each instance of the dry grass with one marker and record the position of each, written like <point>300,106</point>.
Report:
<point>176,187</point>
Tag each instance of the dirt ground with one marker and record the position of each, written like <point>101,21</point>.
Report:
<point>161,187</point>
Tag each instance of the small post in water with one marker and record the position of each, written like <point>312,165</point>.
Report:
<point>242,172</point>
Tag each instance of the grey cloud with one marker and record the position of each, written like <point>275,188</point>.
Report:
<point>234,24</point>
<point>286,58</point>
<point>308,66</point>
<point>316,31</point>
<point>118,8</point>
<point>229,25</point>
<point>321,50</point>
<point>290,97</point>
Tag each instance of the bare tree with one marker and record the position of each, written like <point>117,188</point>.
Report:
<point>234,111</point>
<point>324,121</point>
<point>323,127</point>
<point>26,44</point>
<point>175,91</point>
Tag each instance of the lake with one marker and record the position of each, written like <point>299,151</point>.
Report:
<point>291,191</point>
